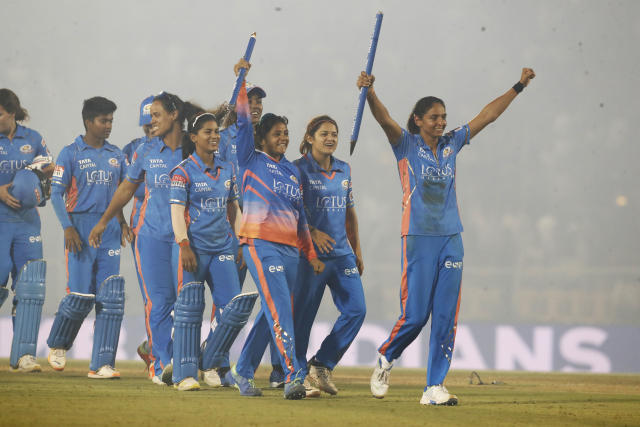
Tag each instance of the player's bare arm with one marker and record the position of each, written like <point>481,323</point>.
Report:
<point>495,108</point>
<point>390,127</point>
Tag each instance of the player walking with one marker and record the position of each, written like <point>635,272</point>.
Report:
<point>203,195</point>
<point>228,152</point>
<point>21,243</point>
<point>329,205</point>
<point>87,174</point>
<point>273,228</point>
<point>138,198</point>
<point>152,162</point>
<point>432,249</point>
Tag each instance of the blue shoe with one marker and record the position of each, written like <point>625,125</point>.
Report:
<point>295,390</point>
<point>246,386</point>
<point>226,380</point>
<point>276,379</point>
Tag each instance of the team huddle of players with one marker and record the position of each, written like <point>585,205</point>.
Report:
<point>215,196</point>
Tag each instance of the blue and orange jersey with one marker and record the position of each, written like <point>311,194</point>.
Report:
<point>327,195</point>
<point>151,164</point>
<point>138,196</point>
<point>228,150</point>
<point>88,176</point>
<point>15,154</point>
<point>429,203</point>
<point>273,208</point>
<point>205,193</point>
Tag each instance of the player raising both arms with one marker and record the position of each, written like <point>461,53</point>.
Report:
<point>21,244</point>
<point>432,249</point>
<point>330,209</point>
<point>87,174</point>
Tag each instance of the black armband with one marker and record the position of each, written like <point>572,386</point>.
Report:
<point>518,87</point>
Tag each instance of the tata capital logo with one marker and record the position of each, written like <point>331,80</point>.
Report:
<point>276,269</point>
<point>26,149</point>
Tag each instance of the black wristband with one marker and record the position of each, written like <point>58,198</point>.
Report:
<point>518,87</point>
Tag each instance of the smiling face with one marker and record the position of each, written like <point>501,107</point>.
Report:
<point>99,128</point>
<point>325,140</point>
<point>255,108</point>
<point>7,121</point>
<point>276,141</point>
<point>161,120</point>
<point>206,139</point>
<point>433,122</point>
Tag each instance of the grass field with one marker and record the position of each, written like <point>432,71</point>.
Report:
<point>70,398</point>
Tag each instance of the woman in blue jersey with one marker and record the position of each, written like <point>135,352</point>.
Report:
<point>151,163</point>
<point>432,249</point>
<point>204,208</point>
<point>274,229</point>
<point>20,148</point>
<point>330,209</point>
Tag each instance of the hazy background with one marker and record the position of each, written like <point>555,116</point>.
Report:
<point>548,194</point>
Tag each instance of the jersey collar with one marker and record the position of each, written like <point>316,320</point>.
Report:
<point>82,145</point>
<point>316,167</point>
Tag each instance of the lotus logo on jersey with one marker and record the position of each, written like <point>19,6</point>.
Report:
<point>350,271</point>
<point>12,165</point>
<point>161,181</point>
<point>433,173</point>
<point>113,162</point>
<point>99,177</point>
<point>331,202</point>
<point>35,239</point>
<point>227,184</point>
<point>289,190</point>
<point>26,149</point>
<point>276,268</point>
<point>213,203</point>
<point>113,252</point>
<point>223,258</point>
<point>453,264</point>
<point>446,152</point>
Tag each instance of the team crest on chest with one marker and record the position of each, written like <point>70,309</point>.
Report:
<point>294,179</point>
<point>227,184</point>
<point>26,149</point>
<point>345,184</point>
<point>446,152</point>
<point>113,162</point>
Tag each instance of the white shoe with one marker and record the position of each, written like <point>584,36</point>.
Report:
<point>187,384</point>
<point>104,373</point>
<point>27,363</point>
<point>321,375</point>
<point>438,395</point>
<point>211,378</point>
<point>57,358</point>
<point>310,391</point>
<point>380,377</point>
<point>167,374</point>
<point>157,380</point>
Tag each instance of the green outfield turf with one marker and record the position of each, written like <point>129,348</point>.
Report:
<point>70,398</point>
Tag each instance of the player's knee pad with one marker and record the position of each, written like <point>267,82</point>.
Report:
<point>30,293</point>
<point>109,313</point>
<point>187,323</point>
<point>4,293</point>
<point>72,310</point>
<point>226,329</point>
